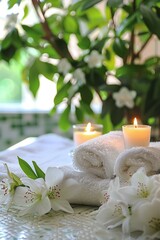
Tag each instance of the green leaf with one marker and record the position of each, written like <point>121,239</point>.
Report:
<point>87,109</point>
<point>47,69</point>
<point>26,11</point>
<point>117,115</point>
<point>6,41</point>
<point>16,179</point>
<point>62,93</point>
<point>79,114</point>
<point>11,3</point>
<point>120,48</point>
<point>107,107</point>
<point>34,78</point>
<point>84,43</point>
<point>39,172</point>
<point>86,94</point>
<point>99,45</point>
<point>70,24</point>
<point>8,53</point>
<point>53,110</point>
<point>89,4</point>
<point>114,3</point>
<point>95,18</point>
<point>151,20</point>
<point>34,32</point>
<point>127,24</point>
<point>64,121</point>
<point>27,169</point>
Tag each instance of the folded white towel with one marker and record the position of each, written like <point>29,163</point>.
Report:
<point>128,162</point>
<point>98,155</point>
<point>51,150</point>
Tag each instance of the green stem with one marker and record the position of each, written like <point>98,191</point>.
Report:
<point>58,44</point>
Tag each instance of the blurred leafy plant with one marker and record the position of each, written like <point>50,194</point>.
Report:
<point>86,67</point>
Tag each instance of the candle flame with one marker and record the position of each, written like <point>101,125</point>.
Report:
<point>88,128</point>
<point>135,122</point>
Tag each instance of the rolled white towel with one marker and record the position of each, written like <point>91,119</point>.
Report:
<point>89,186</point>
<point>97,156</point>
<point>129,161</point>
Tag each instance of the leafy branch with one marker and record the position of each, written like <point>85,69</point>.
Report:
<point>58,44</point>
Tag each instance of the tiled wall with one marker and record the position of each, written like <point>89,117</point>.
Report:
<point>16,127</point>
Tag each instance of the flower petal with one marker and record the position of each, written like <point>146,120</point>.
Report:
<point>60,204</point>
<point>35,185</point>
<point>53,176</point>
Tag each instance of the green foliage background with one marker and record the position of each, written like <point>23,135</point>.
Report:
<point>122,30</point>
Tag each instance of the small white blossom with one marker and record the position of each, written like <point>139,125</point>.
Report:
<point>134,207</point>
<point>113,214</point>
<point>5,191</point>
<point>7,187</point>
<point>124,98</point>
<point>32,199</point>
<point>94,59</point>
<point>64,66</point>
<point>59,191</point>
<point>148,216</point>
<point>11,21</point>
<point>141,189</point>
<point>39,196</point>
<point>79,76</point>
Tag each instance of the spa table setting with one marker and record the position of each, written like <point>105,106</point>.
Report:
<point>92,164</point>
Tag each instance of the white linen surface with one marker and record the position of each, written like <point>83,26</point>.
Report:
<point>46,150</point>
<point>51,150</point>
<point>128,162</point>
<point>98,155</point>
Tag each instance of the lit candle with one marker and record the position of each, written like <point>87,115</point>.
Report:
<point>136,135</point>
<point>83,132</point>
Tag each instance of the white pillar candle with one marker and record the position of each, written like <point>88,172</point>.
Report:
<point>85,132</point>
<point>136,135</point>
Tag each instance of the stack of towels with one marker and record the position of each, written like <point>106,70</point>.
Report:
<point>93,164</point>
<point>106,157</point>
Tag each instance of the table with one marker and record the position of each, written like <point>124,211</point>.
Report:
<point>52,226</point>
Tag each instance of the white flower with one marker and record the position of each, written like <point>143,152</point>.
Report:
<point>32,199</point>
<point>64,66</point>
<point>11,21</point>
<point>114,186</point>
<point>133,207</point>
<point>141,189</point>
<point>124,98</point>
<point>148,215</point>
<point>39,196</point>
<point>94,59</point>
<point>6,194</point>
<point>7,187</point>
<point>113,214</point>
<point>79,76</point>
<point>59,191</point>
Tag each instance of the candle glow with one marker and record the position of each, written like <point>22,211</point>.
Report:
<point>136,135</point>
<point>88,128</point>
<point>83,132</point>
<point>135,122</point>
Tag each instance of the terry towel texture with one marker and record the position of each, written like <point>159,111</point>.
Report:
<point>131,159</point>
<point>98,155</point>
